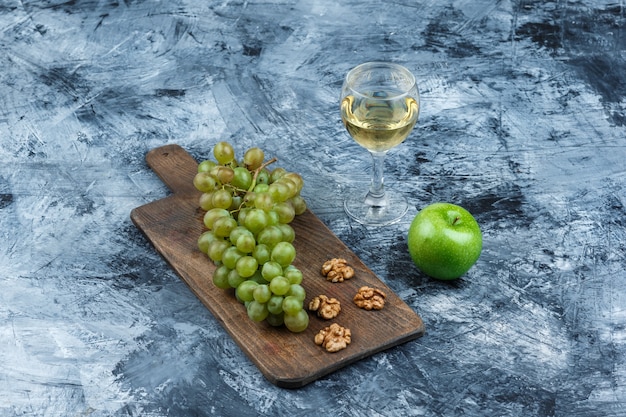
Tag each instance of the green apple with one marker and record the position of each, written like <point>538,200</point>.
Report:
<point>444,241</point>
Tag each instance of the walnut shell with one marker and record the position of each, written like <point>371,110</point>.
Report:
<point>337,270</point>
<point>370,298</point>
<point>333,338</point>
<point>327,308</point>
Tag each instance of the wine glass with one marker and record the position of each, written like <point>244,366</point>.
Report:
<point>379,106</point>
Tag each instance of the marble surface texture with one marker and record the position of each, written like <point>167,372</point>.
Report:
<point>522,122</point>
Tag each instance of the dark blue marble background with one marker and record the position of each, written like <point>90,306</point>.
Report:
<point>523,123</point>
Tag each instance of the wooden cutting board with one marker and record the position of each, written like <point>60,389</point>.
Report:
<point>286,359</point>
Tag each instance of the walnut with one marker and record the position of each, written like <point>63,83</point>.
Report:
<point>337,270</point>
<point>327,308</point>
<point>333,338</point>
<point>370,298</point>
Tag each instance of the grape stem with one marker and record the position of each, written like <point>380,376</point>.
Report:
<point>259,169</point>
<point>254,178</point>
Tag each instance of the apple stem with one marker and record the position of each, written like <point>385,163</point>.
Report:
<point>456,219</point>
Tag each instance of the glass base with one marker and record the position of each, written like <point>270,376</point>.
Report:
<point>386,211</point>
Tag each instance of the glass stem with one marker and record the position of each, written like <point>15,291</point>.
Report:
<point>376,195</point>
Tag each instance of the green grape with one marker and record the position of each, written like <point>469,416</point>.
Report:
<point>293,274</point>
<point>236,203</point>
<point>245,289</point>
<point>261,188</point>
<point>245,303</point>
<point>205,240</point>
<point>299,204</point>
<point>230,257</point>
<point>206,165</point>
<point>223,152</point>
<point>237,232</point>
<point>220,277</point>
<point>204,182</point>
<point>286,212</point>
<point>224,174</point>
<point>234,279</point>
<point>297,291</point>
<point>287,231</point>
<point>263,201</point>
<point>297,322</point>
<point>242,178</point>
<point>222,198</point>
<point>246,243</point>
<point>283,253</point>
<point>256,220</point>
<point>241,216</point>
<point>216,249</point>
<point>296,178</point>
<point>279,191</point>
<point>273,218</point>
<point>262,253</point>
<point>291,186</point>
<point>206,201</point>
<point>279,285</point>
<point>262,293</point>
<point>277,173</point>
<point>257,311</point>
<point>263,177</point>
<point>270,236</point>
<point>275,304</point>
<point>248,199</point>
<point>246,266</point>
<point>223,226</point>
<point>253,158</point>
<point>271,270</point>
<point>291,305</point>
<point>275,320</point>
<point>212,215</point>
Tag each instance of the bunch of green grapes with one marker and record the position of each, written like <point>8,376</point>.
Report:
<point>249,209</point>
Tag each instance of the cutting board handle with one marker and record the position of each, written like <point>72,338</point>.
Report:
<point>174,166</point>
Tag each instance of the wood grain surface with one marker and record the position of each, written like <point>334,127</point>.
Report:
<point>287,359</point>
